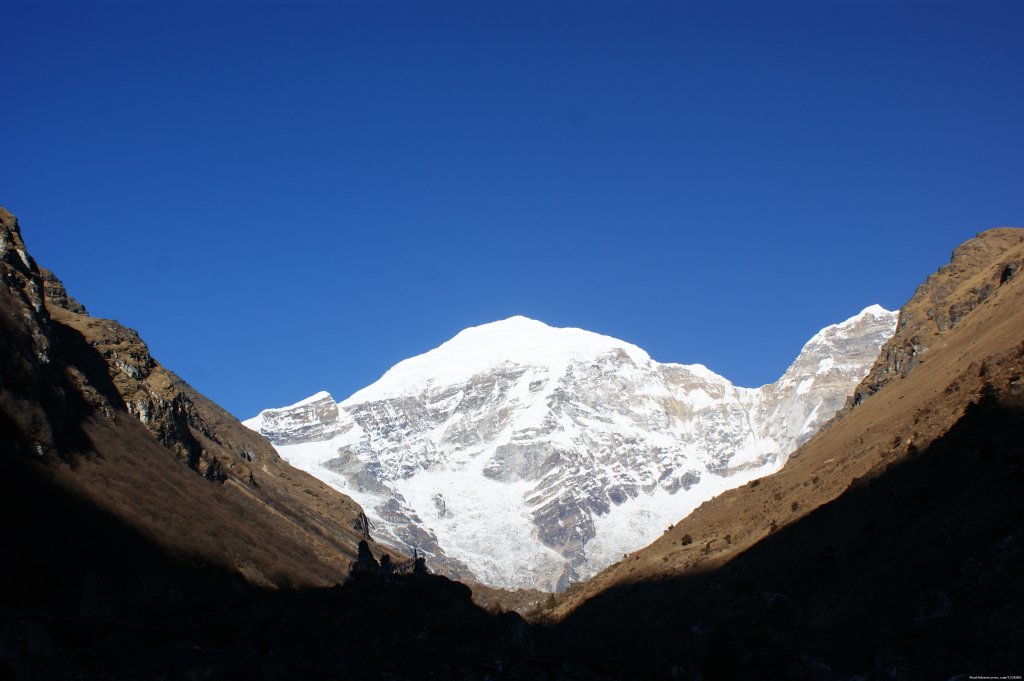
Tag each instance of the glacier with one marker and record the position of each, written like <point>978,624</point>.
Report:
<point>520,455</point>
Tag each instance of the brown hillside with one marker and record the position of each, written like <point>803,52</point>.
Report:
<point>893,529</point>
<point>977,268</point>
<point>969,352</point>
<point>84,407</point>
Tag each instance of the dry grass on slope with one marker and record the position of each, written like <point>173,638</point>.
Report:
<point>976,269</point>
<point>85,406</point>
<point>982,352</point>
<point>305,509</point>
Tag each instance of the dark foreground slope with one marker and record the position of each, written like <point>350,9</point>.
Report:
<point>890,546</point>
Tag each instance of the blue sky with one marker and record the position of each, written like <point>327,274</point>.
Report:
<point>284,198</point>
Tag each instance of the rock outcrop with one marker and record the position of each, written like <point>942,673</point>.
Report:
<point>977,268</point>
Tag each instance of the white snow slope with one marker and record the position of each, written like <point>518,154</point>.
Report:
<point>522,455</point>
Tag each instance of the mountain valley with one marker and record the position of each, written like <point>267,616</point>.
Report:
<point>152,535</point>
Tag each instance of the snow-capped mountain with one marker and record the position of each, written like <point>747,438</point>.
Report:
<point>522,455</point>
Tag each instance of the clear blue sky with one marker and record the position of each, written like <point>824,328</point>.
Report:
<point>284,198</point>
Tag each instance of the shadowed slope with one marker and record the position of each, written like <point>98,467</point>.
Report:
<point>913,568</point>
<point>958,411</point>
<point>85,406</point>
<point>94,598</point>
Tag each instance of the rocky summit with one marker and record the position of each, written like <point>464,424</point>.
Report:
<point>521,455</point>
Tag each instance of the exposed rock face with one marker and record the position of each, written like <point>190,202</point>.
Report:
<point>21,277</point>
<point>57,295</point>
<point>146,390</point>
<point>977,268</point>
<point>312,420</point>
<point>526,456</point>
<point>85,406</point>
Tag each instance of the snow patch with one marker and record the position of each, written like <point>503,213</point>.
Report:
<point>485,523</point>
<point>640,520</point>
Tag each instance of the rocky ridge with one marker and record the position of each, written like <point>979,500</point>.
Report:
<point>520,455</point>
<point>975,271</point>
<point>87,408</point>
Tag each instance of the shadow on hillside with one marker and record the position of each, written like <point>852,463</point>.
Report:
<point>76,351</point>
<point>40,406</point>
<point>911,574</point>
<point>84,595</point>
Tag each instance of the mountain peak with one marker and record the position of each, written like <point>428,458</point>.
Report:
<point>517,340</point>
<point>870,314</point>
<point>318,397</point>
<point>875,310</point>
<point>560,447</point>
